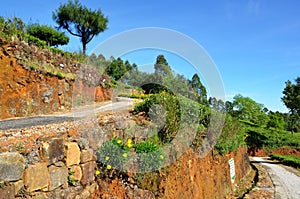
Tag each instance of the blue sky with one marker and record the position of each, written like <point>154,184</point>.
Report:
<point>254,43</point>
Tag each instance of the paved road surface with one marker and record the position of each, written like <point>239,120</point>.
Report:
<point>285,179</point>
<point>75,114</point>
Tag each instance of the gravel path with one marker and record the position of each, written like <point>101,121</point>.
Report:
<point>286,182</point>
<point>75,114</point>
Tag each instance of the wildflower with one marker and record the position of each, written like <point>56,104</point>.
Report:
<point>97,172</point>
<point>161,157</point>
<point>119,141</point>
<point>129,143</point>
<point>108,167</point>
<point>125,155</point>
<point>107,158</point>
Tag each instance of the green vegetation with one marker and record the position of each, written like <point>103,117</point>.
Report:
<point>48,34</point>
<point>150,156</point>
<point>71,179</point>
<point>113,154</point>
<point>291,100</point>
<point>80,21</point>
<point>289,160</point>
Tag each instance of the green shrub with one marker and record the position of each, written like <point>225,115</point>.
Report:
<point>231,137</point>
<point>48,34</point>
<point>113,154</point>
<point>176,112</point>
<point>59,75</point>
<point>36,41</point>
<point>289,160</point>
<point>150,156</point>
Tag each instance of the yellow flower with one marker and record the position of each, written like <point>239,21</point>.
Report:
<point>129,143</point>
<point>97,172</point>
<point>119,141</point>
<point>161,157</point>
<point>125,155</point>
<point>108,167</point>
<point>107,158</point>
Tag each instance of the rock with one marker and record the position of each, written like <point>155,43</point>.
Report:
<point>85,194</point>
<point>58,177</point>
<point>88,172</point>
<point>18,186</point>
<point>7,192</point>
<point>83,143</point>
<point>53,151</point>
<point>71,192</point>
<point>41,195</point>
<point>87,155</point>
<point>12,166</point>
<point>47,96</point>
<point>77,172</point>
<point>36,177</point>
<point>95,137</point>
<point>72,153</point>
<point>92,188</point>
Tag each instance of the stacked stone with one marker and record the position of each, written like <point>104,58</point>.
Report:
<point>60,162</point>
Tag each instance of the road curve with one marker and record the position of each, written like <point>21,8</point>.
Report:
<point>286,181</point>
<point>75,114</point>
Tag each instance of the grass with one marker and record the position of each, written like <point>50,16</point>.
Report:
<point>288,160</point>
<point>50,69</point>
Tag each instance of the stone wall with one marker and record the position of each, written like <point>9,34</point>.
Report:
<point>59,169</point>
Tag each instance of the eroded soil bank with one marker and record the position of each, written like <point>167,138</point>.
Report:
<point>188,177</point>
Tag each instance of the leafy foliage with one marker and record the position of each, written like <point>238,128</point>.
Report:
<point>289,160</point>
<point>80,21</point>
<point>247,109</point>
<point>291,100</point>
<point>150,156</point>
<point>111,154</point>
<point>48,34</point>
<point>117,68</point>
<point>232,136</point>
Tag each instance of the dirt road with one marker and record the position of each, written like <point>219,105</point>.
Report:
<point>75,114</point>
<point>285,179</point>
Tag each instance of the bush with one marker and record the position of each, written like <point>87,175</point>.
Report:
<point>48,34</point>
<point>232,136</point>
<point>113,154</point>
<point>176,112</point>
<point>289,160</point>
<point>150,156</point>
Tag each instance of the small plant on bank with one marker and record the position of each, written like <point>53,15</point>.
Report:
<point>150,156</point>
<point>112,154</point>
<point>71,179</point>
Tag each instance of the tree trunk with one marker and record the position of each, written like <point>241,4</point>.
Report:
<point>84,48</point>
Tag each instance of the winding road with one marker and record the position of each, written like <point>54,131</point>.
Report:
<point>285,179</point>
<point>74,114</point>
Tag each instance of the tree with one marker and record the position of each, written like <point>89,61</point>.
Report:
<point>199,89</point>
<point>276,120</point>
<point>117,68</point>
<point>80,21</point>
<point>48,34</point>
<point>291,100</point>
<point>247,109</point>
<point>161,66</point>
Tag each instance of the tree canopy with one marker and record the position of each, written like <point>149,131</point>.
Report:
<point>80,21</point>
<point>48,34</point>
<point>291,100</point>
<point>247,109</point>
<point>291,96</point>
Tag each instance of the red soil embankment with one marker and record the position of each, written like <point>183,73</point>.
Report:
<point>25,91</point>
